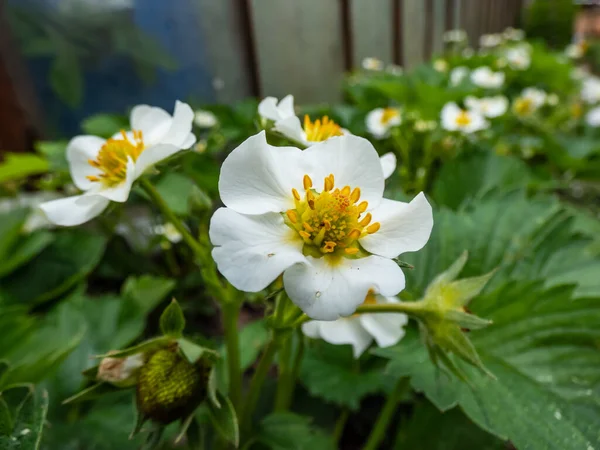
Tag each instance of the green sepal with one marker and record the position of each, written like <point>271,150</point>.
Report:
<point>172,321</point>
<point>146,346</point>
<point>224,419</point>
<point>194,352</point>
<point>466,320</point>
<point>91,393</point>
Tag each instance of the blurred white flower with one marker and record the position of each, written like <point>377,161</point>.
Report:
<point>592,118</point>
<point>440,65</point>
<point>513,34</point>
<point>169,231</point>
<point>423,126</point>
<point>360,330</point>
<point>590,90</point>
<point>380,120</point>
<point>579,73</point>
<point>394,69</point>
<point>458,74</point>
<point>106,169</point>
<point>552,99</point>
<point>490,40</point>
<point>576,50</point>
<point>530,100</point>
<point>486,78</point>
<point>330,257</point>
<point>372,64</point>
<point>454,118</point>
<point>488,106</point>
<point>205,119</point>
<point>518,58</point>
<point>468,53</point>
<point>455,36</point>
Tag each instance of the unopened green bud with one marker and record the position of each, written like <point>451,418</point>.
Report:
<point>170,387</point>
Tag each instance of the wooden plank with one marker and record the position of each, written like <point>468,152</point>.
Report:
<point>223,30</point>
<point>299,48</point>
<point>413,31</point>
<point>372,34</point>
<point>439,25</point>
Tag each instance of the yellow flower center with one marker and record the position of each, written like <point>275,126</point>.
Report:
<point>523,106</point>
<point>321,129</point>
<point>330,222</point>
<point>113,156</point>
<point>463,119</point>
<point>389,114</point>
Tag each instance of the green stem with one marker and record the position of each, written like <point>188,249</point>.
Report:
<point>383,421</point>
<point>340,425</point>
<point>171,217</point>
<point>231,313</point>
<point>284,378</point>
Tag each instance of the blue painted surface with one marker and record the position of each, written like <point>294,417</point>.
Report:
<point>113,86</point>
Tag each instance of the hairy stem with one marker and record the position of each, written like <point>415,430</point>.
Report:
<point>231,313</point>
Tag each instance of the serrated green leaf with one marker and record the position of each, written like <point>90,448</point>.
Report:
<point>225,420</point>
<point>172,321</point>
<point>286,430</point>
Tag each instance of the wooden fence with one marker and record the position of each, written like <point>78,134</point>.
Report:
<point>303,47</point>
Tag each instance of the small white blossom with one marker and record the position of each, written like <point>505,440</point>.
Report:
<point>590,90</point>
<point>169,231</point>
<point>394,69</point>
<point>486,78</point>
<point>552,99</point>
<point>205,119</point>
<point>423,126</point>
<point>380,121</point>
<point>490,40</point>
<point>372,64</point>
<point>513,34</point>
<point>456,36</point>
<point>592,118</point>
<point>518,58</point>
<point>440,65</point>
<point>488,106</point>
<point>468,53</point>
<point>458,74</point>
<point>454,118</point>
<point>359,331</point>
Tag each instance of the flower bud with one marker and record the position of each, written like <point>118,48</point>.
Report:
<point>170,387</point>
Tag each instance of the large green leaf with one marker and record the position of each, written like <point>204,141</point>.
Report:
<point>288,431</point>
<point>543,350</point>
<point>11,224</point>
<point>25,249</point>
<point>21,165</point>
<point>59,267</point>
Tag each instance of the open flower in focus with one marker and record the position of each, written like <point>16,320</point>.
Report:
<point>590,90</point>
<point>359,331</point>
<point>488,106</point>
<point>372,64</point>
<point>592,118</point>
<point>456,119</point>
<point>530,100</point>
<point>106,169</point>
<point>204,119</point>
<point>518,58</point>
<point>490,40</point>
<point>458,74</point>
<point>486,78</point>
<point>380,120</point>
<point>319,217</point>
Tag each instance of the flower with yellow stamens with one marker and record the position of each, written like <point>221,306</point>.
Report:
<point>106,169</point>
<point>317,216</point>
<point>381,120</point>
<point>467,121</point>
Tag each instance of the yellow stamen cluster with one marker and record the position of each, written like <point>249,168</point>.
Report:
<point>463,119</point>
<point>332,221</point>
<point>113,156</point>
<point>523,106</point>
<point>389,114</point>
<point>321,129</point>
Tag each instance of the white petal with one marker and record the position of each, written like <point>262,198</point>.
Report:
<point>311,329</point>
<point>346,331</point>
<point>405,227</point>
<point>73,211</point>
<point>286,106</point>
<point>80,151</point>
<point>326,292</point>
<point>386,328</point>
<point>388,164</point>
<point>189,141</point>
<point>181,125</point>
<point>257,178</point>
<point>374,125</point>
<point>353,161</point>
<point>291,128</point>
<point>267,108</point>
<point>152,155</point>
<point>152,121</point>
<point>251,251</point>
<point>120,192</point>
<point>448,116</point>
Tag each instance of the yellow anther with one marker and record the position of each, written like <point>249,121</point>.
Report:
<point>329,247</point>
<point>292,215</point>
<point>355,195</point>
<point>321,129</point>
<point>362,207</point>
<point>93,178</point>
<point>366,220</point>
<point>345,191</point>
<point>296,194</point>
<point>463,119</point>
<point>373,228</point>
<point>354,234</point>
<point>310,198</point>
<point>307,182</point>
<point>307,227</point>
<point>327,224</point>
<point>351,251</point>
<point>328,185</point>
<point>304,234</point>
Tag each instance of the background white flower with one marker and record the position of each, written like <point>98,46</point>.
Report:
<point>440,65</point>
<point>488,106</point>
<point>590,90</point>
<point>513,34</point>
<point>490,40</point>
<point>537,96</point>
<point>372,64</point>
<point>359,331</point>
<point>380,120</point>
<point>455,36</point>
<point>454,118</point>
<point>486,78</point>
<point>458,74</point>
<point>592,118</point>
<point>518,58</point>
<point>106,169</point>
<point>205,119</point>
<point>333,243</point>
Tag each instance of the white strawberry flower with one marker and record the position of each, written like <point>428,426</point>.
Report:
<point>530,100</point>
<point>467,121</point>
<point>333,240</point>
<point>105,169</point>
<point>458,74</point>
<point>440,65</point>
<point>380,121</point>
<point>518,58</point>
<point>490,40</point>
<point>456,35</point>
<point>372,64</point>
<point>205,119</point>
<point>592,118</point>
<point>359,331</point>
<point>488,106</point>
<point>513,34</point>
<point>590,89</point>
<point>486,78</point>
